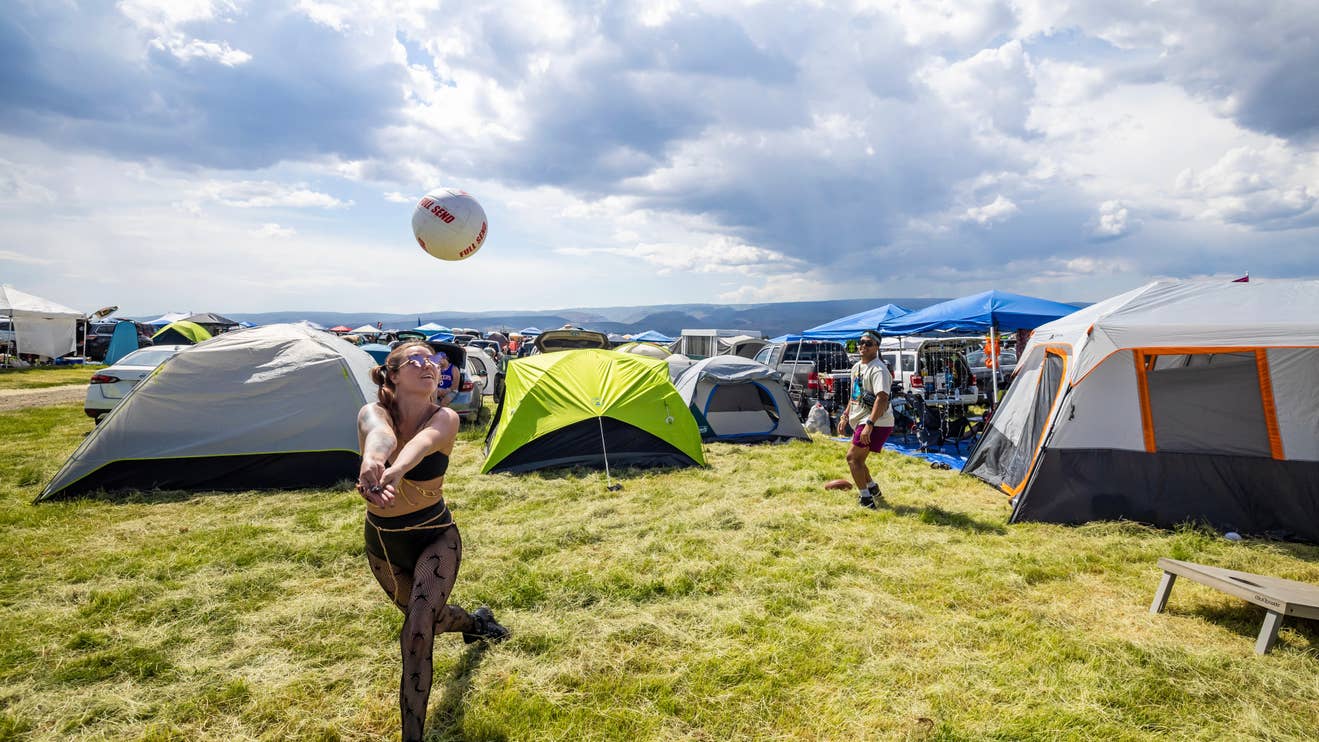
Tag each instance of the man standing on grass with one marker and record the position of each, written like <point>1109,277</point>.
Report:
<point>869,415</point>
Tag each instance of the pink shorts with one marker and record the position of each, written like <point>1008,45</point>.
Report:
<point>877,437</point>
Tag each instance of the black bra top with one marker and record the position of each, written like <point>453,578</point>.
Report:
<point>434,465</point>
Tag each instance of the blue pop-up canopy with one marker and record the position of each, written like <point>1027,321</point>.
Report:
<point>528,332</point>
<point>853,325</point>
<point>650,336</point>
<point>989,311</point>
<point>978,313</point>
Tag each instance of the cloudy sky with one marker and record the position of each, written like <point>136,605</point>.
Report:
<point>234,156</point>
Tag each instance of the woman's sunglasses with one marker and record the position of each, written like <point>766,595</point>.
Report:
<point>421,359</point>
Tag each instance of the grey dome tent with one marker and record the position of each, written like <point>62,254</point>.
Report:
<point>267,408</point>
<point>738,399</point>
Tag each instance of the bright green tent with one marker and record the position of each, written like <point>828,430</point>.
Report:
<point>181,332</point>
<point>590,407</point>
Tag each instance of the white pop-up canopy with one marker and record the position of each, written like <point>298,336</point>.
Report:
<point>41,327</point>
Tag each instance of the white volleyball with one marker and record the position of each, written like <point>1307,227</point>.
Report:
<point>449,224</point>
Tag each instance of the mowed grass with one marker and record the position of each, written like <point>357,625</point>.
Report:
<point>42,377</point>
<point>740,601</point>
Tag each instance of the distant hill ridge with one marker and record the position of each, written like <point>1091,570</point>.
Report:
<point>770,319</point>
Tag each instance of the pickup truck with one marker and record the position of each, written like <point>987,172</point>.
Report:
<point>812,369</point>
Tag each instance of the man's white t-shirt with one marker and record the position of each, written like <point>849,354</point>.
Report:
<point>873,377</point>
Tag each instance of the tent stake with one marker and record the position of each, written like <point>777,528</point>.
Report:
<point>609,484</point>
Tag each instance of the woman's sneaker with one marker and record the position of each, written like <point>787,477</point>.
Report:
<point>487,627</point>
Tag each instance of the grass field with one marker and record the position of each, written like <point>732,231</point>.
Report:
<point>43,377</point>
<point>736,602</point>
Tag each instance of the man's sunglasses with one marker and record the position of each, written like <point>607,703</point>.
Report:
<point>421,359</point>
<point>864,343</point>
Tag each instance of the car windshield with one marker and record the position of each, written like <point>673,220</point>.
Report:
<point>150,357</point>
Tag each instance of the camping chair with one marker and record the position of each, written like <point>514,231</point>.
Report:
<point>968,429</point>
<point>928,423</point>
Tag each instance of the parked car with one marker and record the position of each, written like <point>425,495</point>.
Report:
<point>488,346</point>
<point>100,333</point>
<point>812,370</point>
<point>469,402</point>
<point>553,340</point>
<point>486,367</point>
<point>109,386</point>
<point>1007,364</point>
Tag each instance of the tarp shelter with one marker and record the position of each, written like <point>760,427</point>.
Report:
<point>738,399</point>
<point>650,336</point>
<point>1173,402</point>
<point>266,408</point>
<point>122,342</point>
<point>367,330</point>
<point>167,318</point>
<point>441,337</point>
<point>431,327</point>
<point>182,332</point>
<point>41,326</point>
<point>649,350</point>
<point>215,323</point>
<point>530,332</point>
<point>377,351</point>
<point>851,326</point>
<point>590,407</point>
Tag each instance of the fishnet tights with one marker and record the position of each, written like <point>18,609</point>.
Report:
<point>423,596</point>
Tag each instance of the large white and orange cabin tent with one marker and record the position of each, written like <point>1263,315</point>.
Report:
<point>1175,402</point>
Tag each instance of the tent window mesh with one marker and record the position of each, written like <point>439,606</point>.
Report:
<point>1208,403</point>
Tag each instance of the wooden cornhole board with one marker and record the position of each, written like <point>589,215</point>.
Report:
<point>1278,597</point>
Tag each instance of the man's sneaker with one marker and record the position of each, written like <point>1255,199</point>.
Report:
<point>874,491</point>
<point>487,627</point>
<point>868,502</point>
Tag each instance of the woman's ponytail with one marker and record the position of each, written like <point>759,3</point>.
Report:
<point>385,393</point>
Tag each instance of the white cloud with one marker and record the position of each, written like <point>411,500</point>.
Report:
<point>714,150</point>
<point>271,229</point>
<point>998,210</point>
<point>249,194</point>
<point>331,15</point>
<point>17,257</point>
<point>1113,221</point>
<point>995,87</point>
<point>164,19</point>
<point>189,49</point>
<point>1265,186</point>
<point>716,255</point>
